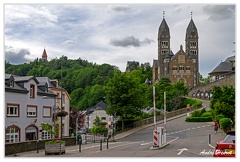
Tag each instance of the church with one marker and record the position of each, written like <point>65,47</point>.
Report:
<point>182,66</point>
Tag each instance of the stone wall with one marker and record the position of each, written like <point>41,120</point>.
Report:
<point>14,148</point>
<point>228,80</point>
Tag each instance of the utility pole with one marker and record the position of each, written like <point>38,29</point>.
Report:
<point>61,103</point>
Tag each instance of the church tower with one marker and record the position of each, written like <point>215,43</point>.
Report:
<point>44,56</point>
<point>163,49</point>
<point>191,44</point>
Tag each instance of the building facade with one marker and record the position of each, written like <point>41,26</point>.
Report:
<point>28,103</point>
<point>182,66</point>
<point>224,68</point>
<point>98,110</point>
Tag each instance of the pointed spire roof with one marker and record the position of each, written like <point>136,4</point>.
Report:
<point>191,29</point>
<point>44,53</point>
<point>163,27</point>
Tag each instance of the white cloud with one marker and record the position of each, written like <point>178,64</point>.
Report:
<point>117,33</point>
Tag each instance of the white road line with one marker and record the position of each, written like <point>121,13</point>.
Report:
<point>129,143</point>
<point>145,143</point>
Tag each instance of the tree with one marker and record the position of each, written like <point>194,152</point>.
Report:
<point>174,94</point>
<point>124,96</point>
<point>223,101</point>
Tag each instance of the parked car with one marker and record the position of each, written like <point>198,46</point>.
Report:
<point>226,147</point>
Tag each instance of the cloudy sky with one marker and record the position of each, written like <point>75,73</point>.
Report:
<point>115,33</point>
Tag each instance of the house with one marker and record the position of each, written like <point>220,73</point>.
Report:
<point>26,107</point>
<point>62,103</point>
<point>98,110</point>
<point>224,68</point>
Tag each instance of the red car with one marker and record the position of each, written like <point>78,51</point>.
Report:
<point>226,147</point>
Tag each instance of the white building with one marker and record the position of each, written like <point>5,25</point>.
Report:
<point>98,110</point>
<point>26,108</point>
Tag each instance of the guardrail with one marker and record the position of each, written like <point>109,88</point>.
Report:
<point>158,118</point>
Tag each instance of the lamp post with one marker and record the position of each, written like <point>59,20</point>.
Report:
<point>61,116</point>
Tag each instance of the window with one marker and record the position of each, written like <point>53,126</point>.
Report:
<point>164,51</point>
<point>181,68</point>
<point>103,118</point>
<point>46,111</point>
<point>193,44</point>
<point>45,135</point>
<point>164,44</point>
<point>193,52</point>
<point>32,91</point>
<point>58,98</point>
<point>174,68</point>
<point>188,68</point>
<point>31,111</point>
<point>12,135</point>
<point>12,110</point>
<point>63,98</point>
<point>11,83</point>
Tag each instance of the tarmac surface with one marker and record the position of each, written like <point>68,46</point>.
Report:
<point>74,149</point>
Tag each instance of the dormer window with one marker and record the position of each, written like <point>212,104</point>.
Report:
<point>46,88</point>
<point>11,83</point>
<point>32,91</point>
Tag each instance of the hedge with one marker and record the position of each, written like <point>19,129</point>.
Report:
<point>199,119</point>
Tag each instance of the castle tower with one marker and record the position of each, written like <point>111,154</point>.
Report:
<point>44,56</point>
<point>191,44</point>
<point>163,49</point>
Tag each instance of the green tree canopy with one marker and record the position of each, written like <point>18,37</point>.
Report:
<point>124,96</point>
<point>223,101</point>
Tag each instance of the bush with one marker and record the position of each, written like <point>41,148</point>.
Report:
<point>198,119</point>
<point>203,110</point>
<point>225,123</point>
<point>197,103</point>
<point>218,117</point>
<point>196,113</point>
<point>206,114</point>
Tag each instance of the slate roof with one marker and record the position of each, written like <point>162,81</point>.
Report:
<point>225,66</point>
<point>99,106</point>
<point>163,26</point>
<point>191,27</point>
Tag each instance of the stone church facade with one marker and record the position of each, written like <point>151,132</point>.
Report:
<point>182,66</point>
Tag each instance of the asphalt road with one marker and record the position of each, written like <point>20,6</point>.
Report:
<point>185,139</point>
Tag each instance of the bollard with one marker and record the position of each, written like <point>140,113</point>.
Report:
<point>80,143</point>
<point>37,146</point>
<point>100,145</point>
<point>209,139</point>
<point>107,142</point>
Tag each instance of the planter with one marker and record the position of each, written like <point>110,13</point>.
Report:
<point>55,148</point>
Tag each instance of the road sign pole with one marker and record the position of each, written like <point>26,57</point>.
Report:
<point>165,120</point>
<point>154,108</point>
<point>155,133</point>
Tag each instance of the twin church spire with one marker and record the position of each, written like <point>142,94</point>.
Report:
<point>164,47</point>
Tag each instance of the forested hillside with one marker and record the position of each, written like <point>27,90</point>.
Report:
<point>84,81</point>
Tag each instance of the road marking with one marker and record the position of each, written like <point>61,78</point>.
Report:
<point>145,143</point>
<point>181,150</point>
<point>129,143</point>
<point>184,130</point>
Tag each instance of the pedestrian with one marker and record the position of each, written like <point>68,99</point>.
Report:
<point>216,125</point>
